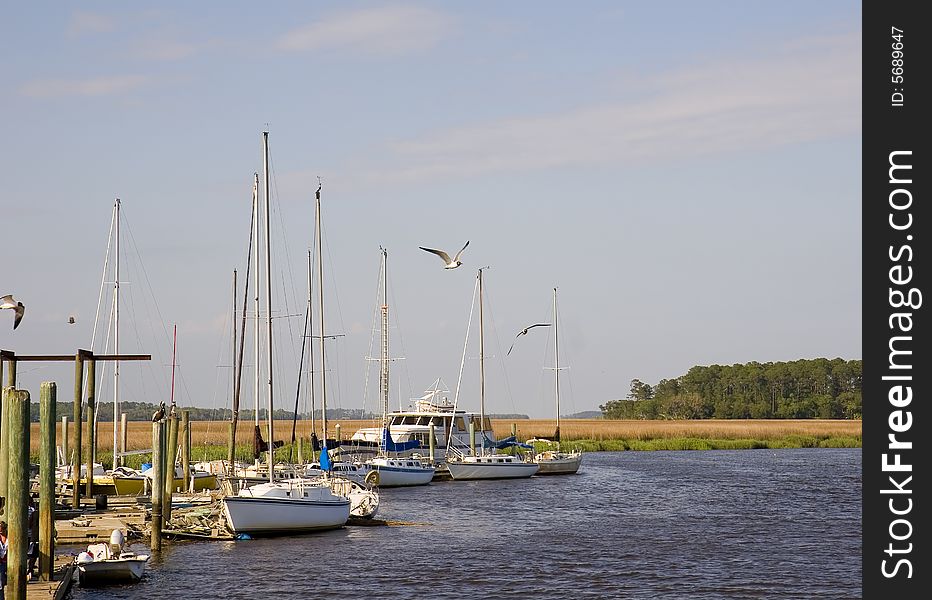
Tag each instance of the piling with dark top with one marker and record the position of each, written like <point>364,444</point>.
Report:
<point>170,450</point>
<point>186,446</point>
<point>64,438</point>
<point>17,501</point>
<point>48,394</point>
<point>76,441</point>
<point>91,424</point>
<point>158,439</point>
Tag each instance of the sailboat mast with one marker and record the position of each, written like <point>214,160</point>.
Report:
<point>384,355</point>
<point>556,362</point>
<point>116,337</point>
<point>320,295</point>
<point>255,241</point>
<point>310,348</point>
<point>481,368</point>
<point>268,296</point>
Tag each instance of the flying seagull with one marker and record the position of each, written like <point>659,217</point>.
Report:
<point>71,320</point>
<point>524,332</point>
<point>448,263</point>
<point>8,302</point>
<point>159,414</point>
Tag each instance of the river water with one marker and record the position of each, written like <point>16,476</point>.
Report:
<point>686,524</point>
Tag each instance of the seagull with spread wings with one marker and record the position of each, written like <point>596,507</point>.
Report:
<point>18,308</point>
<point>448,263</point>
<point>524,332</point>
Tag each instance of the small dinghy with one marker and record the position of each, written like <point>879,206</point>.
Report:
<point>104,564</point>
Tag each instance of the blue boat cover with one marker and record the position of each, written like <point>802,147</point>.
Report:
<point>325,464</point>
<point>510,441</point>
<point>392,446</point>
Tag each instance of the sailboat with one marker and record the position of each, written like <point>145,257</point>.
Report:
<point>486,464</point>
<point>556,462</point>
<point>391,469</point>
<point>291,505</point>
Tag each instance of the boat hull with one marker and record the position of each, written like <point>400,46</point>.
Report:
<point>281,516</point>
<point>399,475</point>
<point>563,464</point>
<point>135,485</point>
<point>485,469</point>
<point>112,571</point>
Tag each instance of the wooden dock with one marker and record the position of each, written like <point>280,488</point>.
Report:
<point>57,588</point>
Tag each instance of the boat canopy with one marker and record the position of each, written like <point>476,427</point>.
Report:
<point>392,446</point>
<point>511,441</point>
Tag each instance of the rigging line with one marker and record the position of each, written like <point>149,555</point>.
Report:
<point>372,328</point>
<point>500,355</point>
<point>459,379</point>
<point>401,342</point>
<point>297,395</point>
<point>103,277</point>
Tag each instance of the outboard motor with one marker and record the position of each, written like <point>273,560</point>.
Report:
<point>116,542</point>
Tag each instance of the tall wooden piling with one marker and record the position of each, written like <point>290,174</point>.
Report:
<point>122,436</point>
<point>4,438</point>
<point>64,439</point>
<point>91,424</point>
<point>5,421</point>
<point>158,439</point>
<point>17,500</point>
<point>432,442</point>
<point>186,447</point>
<point>76,445</point>
<point>48,395</point>
<point>171,450</point>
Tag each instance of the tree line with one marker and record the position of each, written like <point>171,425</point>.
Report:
<point>800,389</point>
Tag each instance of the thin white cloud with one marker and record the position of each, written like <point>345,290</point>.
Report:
<point>83,23</point>
<point>164,49</point>
<point>100,86</point>
<point>806,92</point>
<point>383,30</point>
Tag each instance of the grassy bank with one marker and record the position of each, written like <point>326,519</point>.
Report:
<point>209,437</point>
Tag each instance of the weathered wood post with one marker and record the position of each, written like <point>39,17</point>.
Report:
<point>186,447</point>
<point>4,440</point>
<point>514,434</point>
<point>64,439</point>
<point>432,442</point>
<point>48,395</point>
<point>76,442</point>
<point>158,435</point>
<point>472,437</point>
<point>18,493</point>
<point>91,425</point>
<point>5,421</point>
<point>171,449</point>
<point>123,432</point>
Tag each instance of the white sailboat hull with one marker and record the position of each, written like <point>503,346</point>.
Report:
<point>473,467</point>
<point>397,473</point>
<point>559,463</point>
<point>281,508</point>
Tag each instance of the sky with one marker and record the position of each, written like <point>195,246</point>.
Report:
<point>687,175</point>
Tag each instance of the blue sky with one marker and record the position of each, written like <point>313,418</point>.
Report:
<point>687,174</point>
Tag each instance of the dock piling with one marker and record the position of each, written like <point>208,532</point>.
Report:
<point>170,452</point>
<point>185,434</point>
<point>158,486</point>
<point>76,442</point>
<point>91,424</point>
<point>48,395</point>
<point>17,492</point>
<point>64,438</point>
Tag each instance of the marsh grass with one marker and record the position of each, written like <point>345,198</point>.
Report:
<point>209,438</point>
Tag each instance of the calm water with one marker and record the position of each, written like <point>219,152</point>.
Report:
<point>706,524</point>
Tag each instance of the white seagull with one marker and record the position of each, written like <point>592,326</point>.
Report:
<point>8,302</point>
<point>524,332</point>
<point>448,263</point>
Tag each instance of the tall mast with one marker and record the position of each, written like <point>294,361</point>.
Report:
<point>320,294</point>
<point>556,363</point>
<point>174,350</point>
<point>116,336</point>
<point>268,296</point>
<point>255,242</point>
<point>310,347</point>
<point>481,368</point>
<point>383,363</point>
